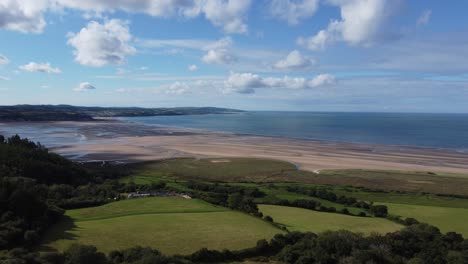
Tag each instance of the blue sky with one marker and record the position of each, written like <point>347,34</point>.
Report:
<point>295,55</point>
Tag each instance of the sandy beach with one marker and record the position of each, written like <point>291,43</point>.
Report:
<point>126,142</point>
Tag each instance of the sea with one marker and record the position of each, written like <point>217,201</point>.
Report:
<point>440,131</point>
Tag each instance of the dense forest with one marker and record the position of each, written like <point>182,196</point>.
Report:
<point>81,113</point>
<point>36,186</point>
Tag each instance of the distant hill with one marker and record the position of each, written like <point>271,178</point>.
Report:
<point>81,113</point>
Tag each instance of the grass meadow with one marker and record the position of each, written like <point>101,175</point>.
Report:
<point>408,194</point>
<point>172,225</point>
<point>298,219</point>
<point>445,218</point>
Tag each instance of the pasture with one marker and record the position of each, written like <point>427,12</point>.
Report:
<point>172,225</point>
<point>274,193</point>
<point>408,194</point>
<point>298,219</point>
<point>445,218</point>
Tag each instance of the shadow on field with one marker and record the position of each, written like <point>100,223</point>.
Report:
<point>59,231</point>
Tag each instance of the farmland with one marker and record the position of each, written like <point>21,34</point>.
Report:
<point>173,225</point>
<point>298,219</point>
<point>400,190</point>
<point>445,218</point>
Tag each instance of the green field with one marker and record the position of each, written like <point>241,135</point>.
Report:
<point>445,218</point>
<point>381,196</point>
<point>172,225</point>
<point>408,193</point>
<point>161,205</point>
<point>280,193</point>
<point>298,219</point>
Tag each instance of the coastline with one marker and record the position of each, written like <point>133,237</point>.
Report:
<point>199,130</point>
<point>119,141</point>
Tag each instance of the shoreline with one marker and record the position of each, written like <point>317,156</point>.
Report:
<point>199,130</point>
<point>118,141</point>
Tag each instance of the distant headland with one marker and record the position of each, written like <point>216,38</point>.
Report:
<point>82,113</point>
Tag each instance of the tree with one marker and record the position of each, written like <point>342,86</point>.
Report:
<point>379,210</point>
<point>234,200</point>
<point>79,254</point>
<point>344,211</point>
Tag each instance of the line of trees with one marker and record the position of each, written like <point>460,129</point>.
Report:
<point>235,197</point>
<point>375,210</point>
<point>324,194</point>
<point>419,243</point>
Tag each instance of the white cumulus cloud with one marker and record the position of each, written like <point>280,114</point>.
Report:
<point>322,80</point>
<point>4,60</point>
<point>100,44</point>
<point>243,83</point>
<point>40,67</point>
<point>219,52</point>
<point>293,11</point>
<point>28,15</point>
<point>294,61</point>
<point>193,67</point>
<point>3,78</point>
<point>228,14</point>
<point>178,88</point>
<point>220,56</point>
<point>25,16</point>
<point>83,87</point>
<point>159,8</point>
<point>246,83</point>
<point>361,23</point>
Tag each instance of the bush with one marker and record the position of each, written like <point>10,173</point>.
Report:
<point>344,211</point>
<point>379,210</point>
<point>79,254</point>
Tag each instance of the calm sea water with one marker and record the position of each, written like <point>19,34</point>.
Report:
<point>422,130</point>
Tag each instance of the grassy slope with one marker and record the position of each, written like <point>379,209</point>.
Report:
<point>278,193</point>
<point>282,194</point>
<point>172,225</point>
<point>398,181</point>
<point>297,219</point>
<point>141,206</point>
<point>445,218</point>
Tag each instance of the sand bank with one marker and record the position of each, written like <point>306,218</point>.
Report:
<point>118,141</point>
